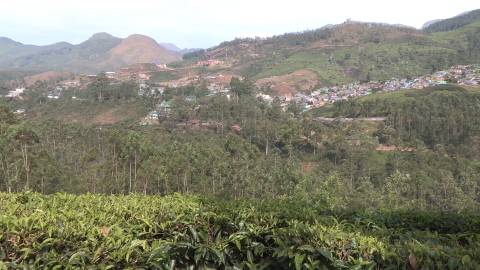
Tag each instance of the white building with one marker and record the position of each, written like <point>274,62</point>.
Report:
<point>15,93</point>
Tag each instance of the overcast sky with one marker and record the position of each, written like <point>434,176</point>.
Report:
<point>204,23</point>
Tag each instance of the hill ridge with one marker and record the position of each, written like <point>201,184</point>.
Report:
<point>98,53</point>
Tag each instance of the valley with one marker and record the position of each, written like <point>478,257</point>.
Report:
<point>352,146</point>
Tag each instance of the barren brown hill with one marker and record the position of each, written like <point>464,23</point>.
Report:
<point>140,49</point>
<point>101,52</point>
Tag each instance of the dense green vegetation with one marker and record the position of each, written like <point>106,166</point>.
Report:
<point>374,62</point>
<point>219,181</point>
<point>454,23</point>
<point>99,104</point>
<point>433,117</point>
<point>243,184</point>
<point>195,151</point>
<point>187,232</point>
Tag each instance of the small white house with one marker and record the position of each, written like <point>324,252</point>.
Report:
<point>15,93</point>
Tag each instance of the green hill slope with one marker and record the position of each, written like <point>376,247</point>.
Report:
<point>439,115</point>
<point>454,23</point>
<point>351,51</point>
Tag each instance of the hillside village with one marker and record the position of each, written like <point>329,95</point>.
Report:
<point>465,75</point>
<point>219,84</point>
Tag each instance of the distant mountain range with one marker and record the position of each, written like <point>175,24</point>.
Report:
<point>101,52</point>
<point>329,55</point>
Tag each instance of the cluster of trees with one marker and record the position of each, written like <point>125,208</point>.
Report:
<point>443,115</point>
<point>78,160</point>
<point>102,90</point>
<point>270,153</point>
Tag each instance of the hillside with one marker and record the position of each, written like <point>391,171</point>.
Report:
<point>353,146</point>
<point>452,23</point>
<point>261,186</point>
<point>429,117</point>
<point>99,53</point>
<point>139,49</point>
<point>352,51</point>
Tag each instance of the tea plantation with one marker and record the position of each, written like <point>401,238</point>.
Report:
<point>185,232</point>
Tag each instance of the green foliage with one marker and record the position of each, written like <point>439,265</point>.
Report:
<point>241,87</point>
<point>442,115</point>
<point>371,62</point>
<point>329,199</point>
<point>454,23</point>
<point>187,232</point>
<point>273,155</point>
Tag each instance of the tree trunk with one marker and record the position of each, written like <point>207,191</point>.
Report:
<point>266,146</point>
<point>135,168</point>
<point>25,164</point>
<point>130,177</point>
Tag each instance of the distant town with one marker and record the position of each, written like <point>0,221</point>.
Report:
<point>466,75</point>
<point>219,84</point>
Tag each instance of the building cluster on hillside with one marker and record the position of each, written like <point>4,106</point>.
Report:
<point>217,85</point>
<point>136,72</point>
<point>214,83</point>
<point>182,82</point>
<point>210,63</point>
<point>55,93</point>
<point>467,75</point>
<point>15,93</point>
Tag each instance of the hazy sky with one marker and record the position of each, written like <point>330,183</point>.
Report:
<point>204,23</point>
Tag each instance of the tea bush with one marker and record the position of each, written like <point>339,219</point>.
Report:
<point>63,231</point>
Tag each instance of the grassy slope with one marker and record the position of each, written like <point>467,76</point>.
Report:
<point>456,37</point>
<point>346,64</point>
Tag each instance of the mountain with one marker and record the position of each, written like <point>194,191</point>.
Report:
<point>452,23</point>
<point>100,52</point>
<point>97,45</point>
<point>140,49</point>
<point>333,54</point>
<point>6,44</point>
